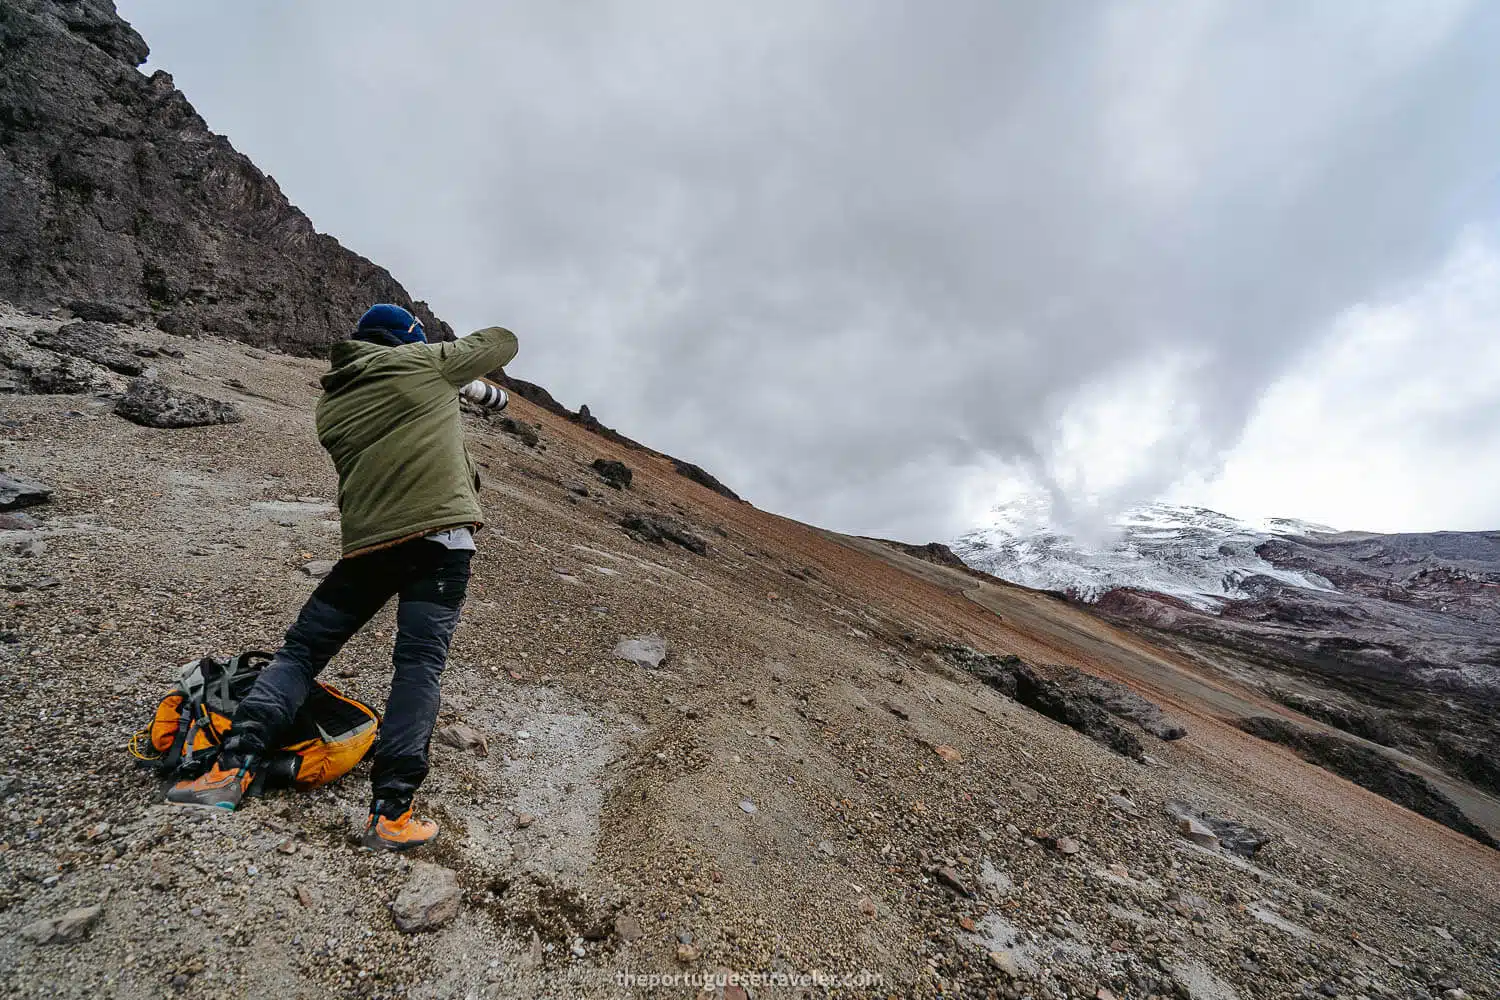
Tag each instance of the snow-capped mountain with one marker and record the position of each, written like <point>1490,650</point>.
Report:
<point>1197,555</point>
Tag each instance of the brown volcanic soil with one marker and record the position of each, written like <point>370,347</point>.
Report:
<point>800,680</point>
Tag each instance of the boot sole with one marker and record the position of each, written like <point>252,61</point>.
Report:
<point>377,843</point>
<point>225,806</point>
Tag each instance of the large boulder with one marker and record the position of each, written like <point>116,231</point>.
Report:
<point>18,491</point>
<point>153,404</point>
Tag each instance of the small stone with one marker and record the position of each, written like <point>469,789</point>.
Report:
<point>867,906</point>
<point>319,568</point>
<point>825,847</point>
<point>1195,831</point>
<point>967,923</point>
<point>1005,962</point>
<point>748,806</point>
<point>577,950</point>
<point>1066,845</point>
<point>1124,805</point>
<point>76,924</point>
<point>524,820</point>
<point>98,832</point>
<point>642,650</point>
<point>17,522</point>
<point>287,847</point>
<point>1103,994</point>
<point>303,896</point>
<point>949,879</point>
<point>429,900</point>
<point>628,928</point>
<point>462,737</point>
<point>686,953</point>
<point>948,753</point>
<point>533,957</point>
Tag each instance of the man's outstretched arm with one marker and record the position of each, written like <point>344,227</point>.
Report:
<point>465,359</point>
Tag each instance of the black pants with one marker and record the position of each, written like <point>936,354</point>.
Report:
<point>432,581</point>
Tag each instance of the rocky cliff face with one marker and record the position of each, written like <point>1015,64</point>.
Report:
<point>121,203</point>
<point>1404,650</point>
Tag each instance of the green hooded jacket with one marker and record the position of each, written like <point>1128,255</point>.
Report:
<point>389,418</point>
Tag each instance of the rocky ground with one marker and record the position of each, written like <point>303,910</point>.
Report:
<point>808,790</point>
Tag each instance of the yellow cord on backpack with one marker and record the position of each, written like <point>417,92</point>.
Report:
<point>143,738</point>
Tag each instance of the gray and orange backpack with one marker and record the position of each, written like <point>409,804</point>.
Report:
<point>330,734</point>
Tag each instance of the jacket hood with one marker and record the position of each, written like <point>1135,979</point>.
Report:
<point>349,359</point>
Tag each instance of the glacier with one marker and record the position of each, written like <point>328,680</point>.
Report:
<point>1197,555</point>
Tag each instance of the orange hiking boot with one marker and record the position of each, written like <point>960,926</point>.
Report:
<point>221,786</point>
<point>402,833</point>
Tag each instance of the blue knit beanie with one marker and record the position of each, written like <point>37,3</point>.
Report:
<point>393,321</point>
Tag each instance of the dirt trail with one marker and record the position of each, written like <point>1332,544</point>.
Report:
<point>769,802</point>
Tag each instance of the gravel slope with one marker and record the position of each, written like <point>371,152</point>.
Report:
<point>801,682</point>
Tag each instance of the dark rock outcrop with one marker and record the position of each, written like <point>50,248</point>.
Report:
<point>614,473</point>
<point>119,202</point>
<point>1368,768</point>
<point>96,311</point>
<point>1063,700</point>
<point>1234,836</point>
<point>939,555</point>
<point>933,552</point>
<point>64,377</point>
<point>1364,723</point>
<point>152,404</point>
<point>18,491</point>
<point>520,429</point>
<point>1057,702</point>
<point>700,476</point>
<point>1404,652</point>
<point>660,530</point>
<point>1119,700</point>
<point>90,341</point>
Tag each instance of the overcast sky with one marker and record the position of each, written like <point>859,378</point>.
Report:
<point>874,263</point>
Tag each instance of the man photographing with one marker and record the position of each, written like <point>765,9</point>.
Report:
<point>408,505</point>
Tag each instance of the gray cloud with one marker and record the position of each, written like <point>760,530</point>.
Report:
<point>842,254</point>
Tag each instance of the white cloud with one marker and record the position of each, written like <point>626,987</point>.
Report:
<point>851,256</point>
<point>1393,424</point>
